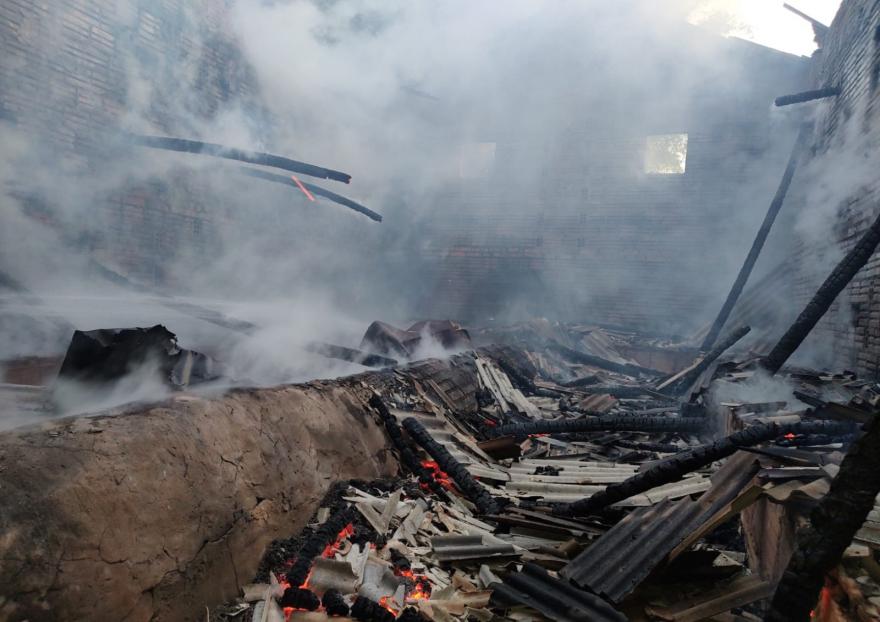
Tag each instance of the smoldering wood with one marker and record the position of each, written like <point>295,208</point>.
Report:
<point>316,190</point>
<point>689,378</point>
<point>833,525</point>
<point>840,277</point>
<point>615,423</point>
<point>676,467</point>
<point>366,610</point>
<point>581,382</point>
<point>334,603</point>
<point>808,96</point>
<point>300,598</point>
<point>407,455</point>
<point>315,545</point>
<point>472,489</point>
<point>761,237</point>
<point>183,145</point>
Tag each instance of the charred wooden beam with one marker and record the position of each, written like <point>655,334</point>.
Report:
<point>315,545</point>
<point>625,423</point>
<point>520,380</point>
<point>758,244</point>
<point>300,598</point>
<point>663,448</point>
<point>334,603</point>
<point>836,282</point>
<point>615,390</point>
<point>678,466</point>
<point>689,378</point>
<point>588,359</point>
<point>316,190</point>
<point>581,382</point>
<point>229,153</point>
<point>472,489</point>
<point>407,455</point>
<point>808,96</point>
<point>366,610</point>
<point>833,524</point>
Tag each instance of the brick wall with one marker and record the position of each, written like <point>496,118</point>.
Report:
<point>72,74</point>
<point>570,225</point>
<point>841,180</point>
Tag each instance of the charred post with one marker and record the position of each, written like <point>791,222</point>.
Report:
<point>808,96</point>
<point>472,489</point>
<point>836,282</point>
<point>758,244</point>
<point>617,423</point>
<point>689,378</point>
<point>407,455</point>
<point>314,546</point>
<point>678,466</point>
<point>833,524</point>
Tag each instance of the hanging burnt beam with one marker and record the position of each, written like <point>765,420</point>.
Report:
<point>676,467</point>
<point>808,96</point>
<point>836,282</point>
<point>183,145</point>
<point>758,244</point>
<point>617,423</point>
<point>472,489</point>
<point>336,198</point>
<point>818,27</point>
<point>833,524</point>
<point>689,378</point>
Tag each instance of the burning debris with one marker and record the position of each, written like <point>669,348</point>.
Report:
<point>599,496</point>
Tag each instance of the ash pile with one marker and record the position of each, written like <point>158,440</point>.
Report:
<point>587,486</point>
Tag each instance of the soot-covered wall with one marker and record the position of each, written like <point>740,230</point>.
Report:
<point>570,223</point>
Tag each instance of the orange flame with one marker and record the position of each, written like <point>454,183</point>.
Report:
<point>303,188</point>
<point>789,436</point>
<point>346,532</point>
<point>438,475</point>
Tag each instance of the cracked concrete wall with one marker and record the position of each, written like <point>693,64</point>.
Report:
<point>154,514</point>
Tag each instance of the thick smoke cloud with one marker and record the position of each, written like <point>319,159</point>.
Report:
<point>386,91</point>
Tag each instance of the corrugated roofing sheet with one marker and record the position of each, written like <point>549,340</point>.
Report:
<point>558,600</point>
<point>456,548</point>
<point>621,559</point>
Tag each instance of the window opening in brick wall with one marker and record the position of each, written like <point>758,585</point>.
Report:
<point>666,154</point>
<point>477,159</point>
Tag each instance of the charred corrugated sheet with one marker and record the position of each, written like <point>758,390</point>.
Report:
<point>456,548</point>
<point>558,600</point>
<point>621,559</point>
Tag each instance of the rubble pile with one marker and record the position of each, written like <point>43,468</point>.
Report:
<point>584,487</point>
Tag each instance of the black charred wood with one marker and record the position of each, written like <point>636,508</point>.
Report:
<point>836,282</point>
<point>300,598</point>
<point>411,614</point>
<point>760,238</point>
<point>808,96</point>
<point>833,524</point>
<point>588,359</point>
<point>675,467</point>
<point>315,545</point>
<point>685,382</point>
<point>520,380</point>
<point>581,382</point>
<point>615,390</point>
<point>663,448</point>
<point>366,610</point>
<point>316,190</point>
<point>251,157</point>
<point>471,488</point>
<point>334,603</point>
<point>399,560</point>
<point>614,423</point>
<point>407,455</point>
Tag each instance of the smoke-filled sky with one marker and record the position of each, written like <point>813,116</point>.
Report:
<point>767,22</point>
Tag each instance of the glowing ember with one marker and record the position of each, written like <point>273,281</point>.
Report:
<point>789,436</point>
<point>303,188</point>
<point>490,422</point>
<point>346,532</point>
<point>384,603</point>
<point>422,588</point>
<point>438,475</point>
